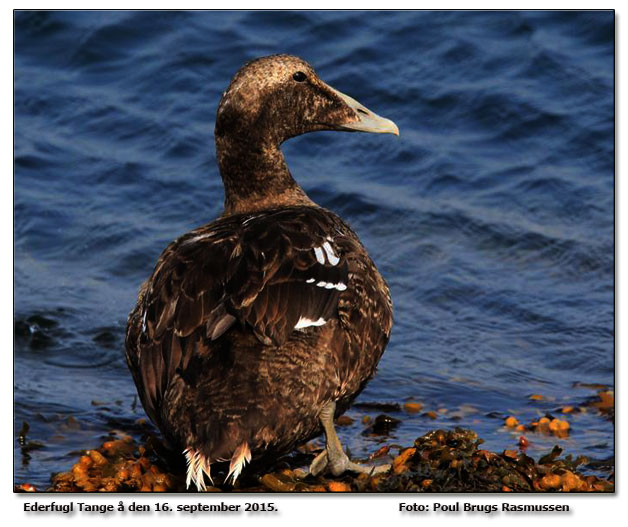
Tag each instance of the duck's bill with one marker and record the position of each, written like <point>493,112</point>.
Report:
<point>368,121</point>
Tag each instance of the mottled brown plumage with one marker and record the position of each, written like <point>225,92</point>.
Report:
<point>250,325</point>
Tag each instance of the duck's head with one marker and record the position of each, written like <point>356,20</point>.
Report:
<point>274,98</point>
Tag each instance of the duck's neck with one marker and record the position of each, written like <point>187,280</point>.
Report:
<point>256,177</point>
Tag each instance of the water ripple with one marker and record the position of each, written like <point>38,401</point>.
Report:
<point>491,216</point>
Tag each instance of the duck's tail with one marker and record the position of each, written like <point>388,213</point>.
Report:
<point>240,458</point>
<point>198,467</point>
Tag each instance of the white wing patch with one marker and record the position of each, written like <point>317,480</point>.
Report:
<point>324,254</point>
<point>326,250</point>
<point>305,322</point>
<point>328,285</point>
<point>331,255</point>
<point>319,255</point>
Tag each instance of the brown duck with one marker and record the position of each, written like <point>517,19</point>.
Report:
<point>256,330</point>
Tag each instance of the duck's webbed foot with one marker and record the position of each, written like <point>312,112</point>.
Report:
<point>333,458</point>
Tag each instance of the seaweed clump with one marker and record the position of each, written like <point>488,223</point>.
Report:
<point>545,425</point>
<point>119,465</point>
<point>439,461</point>
<point>451,461</point>
<point>604,402</point>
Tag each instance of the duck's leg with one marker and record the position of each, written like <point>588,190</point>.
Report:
<point>333,457</point>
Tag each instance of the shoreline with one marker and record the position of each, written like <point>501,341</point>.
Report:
<point>441,461</point>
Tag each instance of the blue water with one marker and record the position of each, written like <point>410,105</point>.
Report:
<point>491,216</point>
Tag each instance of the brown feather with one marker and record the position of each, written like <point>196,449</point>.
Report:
<point>212,343</point>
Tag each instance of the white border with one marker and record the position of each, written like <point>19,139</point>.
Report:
<point>295,509</point>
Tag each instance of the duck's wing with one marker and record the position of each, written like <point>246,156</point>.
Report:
<point>292,270</point>
<point>273,273</point>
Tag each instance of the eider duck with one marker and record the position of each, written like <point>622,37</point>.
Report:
<point>254,331</point>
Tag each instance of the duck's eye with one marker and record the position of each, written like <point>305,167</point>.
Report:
<point>299,76</point>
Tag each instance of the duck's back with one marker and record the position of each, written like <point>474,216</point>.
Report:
<point>249,325</point>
